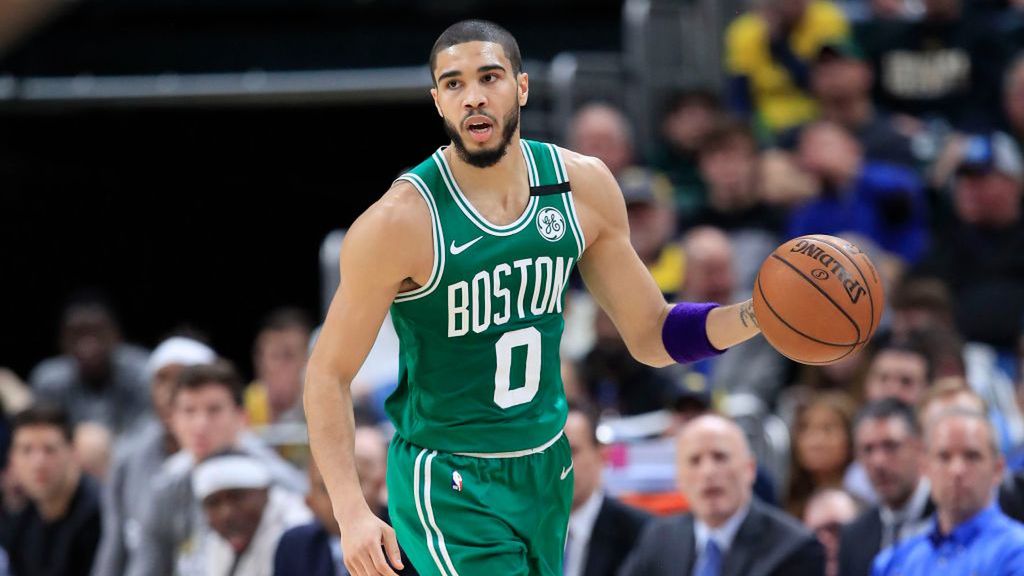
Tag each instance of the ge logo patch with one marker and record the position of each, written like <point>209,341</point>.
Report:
<point>551,224</point>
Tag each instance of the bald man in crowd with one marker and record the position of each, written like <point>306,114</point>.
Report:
<point>727,532</point>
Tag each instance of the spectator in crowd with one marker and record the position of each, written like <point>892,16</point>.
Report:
<point>889,448</point>
<point>314,549</point>
<point>56,534</point>
<point>728,161</point>
<point>979,252</point>
<point>279,359</point>
<point>97,378</point>
<point>900,368</point>
<point>207,418</point>
<point>753,366</point>
<point>93,444</point>
<point>142,456</point>
<point>616,383</point>
<point>841,81</point>
<point>1013,99</point>
<point>970,534</point>
<point>953,394</point>
<point>652,222</point>
<point>768,51</point>
<point>919,305</point>
<point>688,119</point>
<point>827,512</point>
<point>727,530</point>
<point>601,130</point>
<point>822,448</point>
<point>602,530</point>
<point>246,512</point>
<point>948,64</point>
<point>884,202</point>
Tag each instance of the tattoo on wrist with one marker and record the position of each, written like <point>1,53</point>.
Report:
<point>747,316</point>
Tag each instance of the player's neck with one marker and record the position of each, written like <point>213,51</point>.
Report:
<point>506,178</point>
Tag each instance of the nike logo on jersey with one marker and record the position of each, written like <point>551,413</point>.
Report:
<point>457,249</point>
<point>565,471</point>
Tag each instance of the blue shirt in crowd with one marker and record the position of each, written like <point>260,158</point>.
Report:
<point>989,544</point>
<point>885,203</point>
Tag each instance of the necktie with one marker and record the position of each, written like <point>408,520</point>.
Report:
<point>710,560</point>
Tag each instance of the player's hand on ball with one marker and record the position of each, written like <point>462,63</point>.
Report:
<point>818,299</point>
<point>364,538</point>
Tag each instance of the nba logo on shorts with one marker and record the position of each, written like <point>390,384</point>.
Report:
<point>456,481</point>
<point>551,224</point>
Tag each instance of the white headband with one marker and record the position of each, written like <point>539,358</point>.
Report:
<point>226,473</point>
<point>179,350</point>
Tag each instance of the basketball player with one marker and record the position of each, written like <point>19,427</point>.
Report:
<point>471,251</point>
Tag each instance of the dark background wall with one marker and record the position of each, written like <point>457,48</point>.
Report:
<point>211,216</point>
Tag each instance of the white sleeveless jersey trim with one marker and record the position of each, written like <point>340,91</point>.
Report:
<point>570,204</point>
<point>531,163</point>
<point>516,454</point>
<point>437,270</point>
<point>474,216</point>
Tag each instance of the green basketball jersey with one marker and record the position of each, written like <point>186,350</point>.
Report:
<point>479,368</point>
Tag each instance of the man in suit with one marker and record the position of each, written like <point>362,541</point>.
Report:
<point>602,530</point>
<point>728,532</point>
<point>888,444</point>
<point>314,549</point>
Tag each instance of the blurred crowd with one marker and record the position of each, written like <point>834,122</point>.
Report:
<point>896,124</point>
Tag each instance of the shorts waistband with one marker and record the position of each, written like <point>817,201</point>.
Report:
<point>516,454</point>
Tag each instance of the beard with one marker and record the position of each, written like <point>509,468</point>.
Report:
<point>485,158</point>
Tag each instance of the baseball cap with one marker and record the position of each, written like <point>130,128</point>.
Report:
<point>843,48</point>
<point>994,152</point>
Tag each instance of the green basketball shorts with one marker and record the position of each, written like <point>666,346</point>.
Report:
<point>481,514</point>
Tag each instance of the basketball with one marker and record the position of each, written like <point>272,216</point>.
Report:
<point>818,299</point>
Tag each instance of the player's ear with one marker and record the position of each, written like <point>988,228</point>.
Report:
<point>523,81</point>
<point>437,105</point>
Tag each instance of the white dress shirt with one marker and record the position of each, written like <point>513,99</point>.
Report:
<point>581,525</point>
<point>908,518</point>
<point>723,535</point>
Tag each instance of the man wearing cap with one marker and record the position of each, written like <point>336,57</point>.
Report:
<point>137,460</point>
<point>246,514</point>
<point>841,80</point>
<point>979,250</point>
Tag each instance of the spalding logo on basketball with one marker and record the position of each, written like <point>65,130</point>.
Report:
<point>551,224</point>
<point>818,299</point>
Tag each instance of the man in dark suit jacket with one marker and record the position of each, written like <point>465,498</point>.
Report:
<point>314,549</point>
<point>602,530</point>
<point>888,444</point>
<point>728,532</point>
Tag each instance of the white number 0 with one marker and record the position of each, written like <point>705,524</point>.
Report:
<point>503,396</point>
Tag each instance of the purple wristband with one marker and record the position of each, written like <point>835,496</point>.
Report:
<point>685,334</point>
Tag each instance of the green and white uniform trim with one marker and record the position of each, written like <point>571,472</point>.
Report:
<point>479,369</point>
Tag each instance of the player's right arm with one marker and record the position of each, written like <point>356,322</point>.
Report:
<point>386,248</point>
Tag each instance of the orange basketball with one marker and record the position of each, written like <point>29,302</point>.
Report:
<point>818,299</point>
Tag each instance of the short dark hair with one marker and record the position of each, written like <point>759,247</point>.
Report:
<point>724,133</point>
<point>44,414</point>
<point>220,373</point>
<point>477,31</point>
<point>686,97</point>
<point>915,342</point>
<point>890,408</point>
<point>287,318</point>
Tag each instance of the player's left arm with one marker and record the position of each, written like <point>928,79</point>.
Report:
<point>655,332</point>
